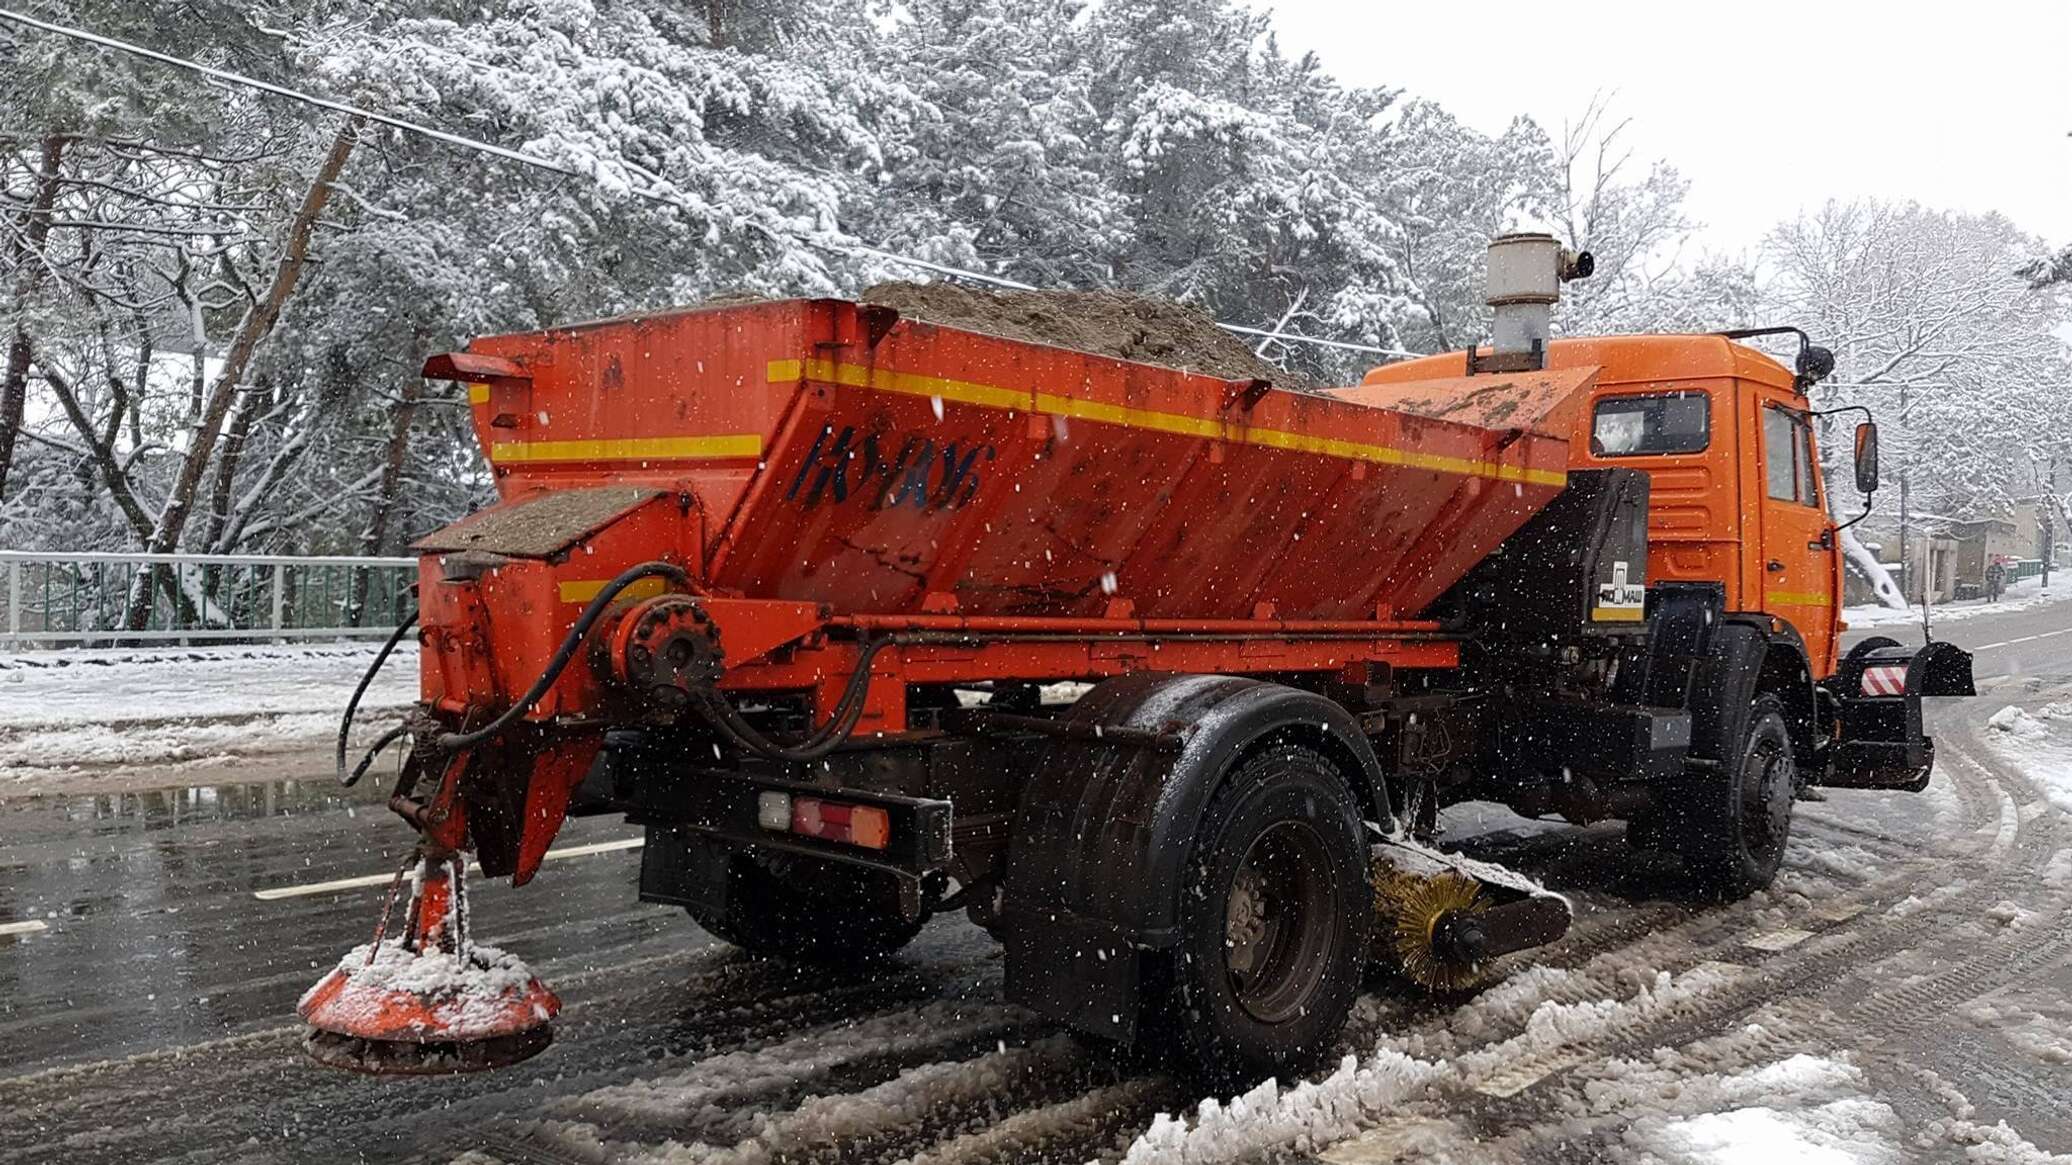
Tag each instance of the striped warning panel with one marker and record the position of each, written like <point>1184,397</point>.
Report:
<point>1885,679</point>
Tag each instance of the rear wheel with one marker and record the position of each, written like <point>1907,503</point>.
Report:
<point>1733,831</point>
<point>833,918</point>
<point>1274,918</point>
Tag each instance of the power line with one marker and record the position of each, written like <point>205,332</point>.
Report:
<point>284,91</point>
<point>534,160</point>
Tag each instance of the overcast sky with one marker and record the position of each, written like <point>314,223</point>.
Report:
<point>1765,106</point>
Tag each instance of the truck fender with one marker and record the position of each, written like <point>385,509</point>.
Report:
<point>1788,672</point>
<point>1104,829</point>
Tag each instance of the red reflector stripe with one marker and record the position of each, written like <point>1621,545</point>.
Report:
<point>1885,680</point>
<point>861,825</point>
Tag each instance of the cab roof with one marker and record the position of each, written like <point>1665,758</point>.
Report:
<point>1621,360</point>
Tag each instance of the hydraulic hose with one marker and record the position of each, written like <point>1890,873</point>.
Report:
<point>345,724</point>
<point>455,741</point>
<point>717,711</point>
<point>816,744</point>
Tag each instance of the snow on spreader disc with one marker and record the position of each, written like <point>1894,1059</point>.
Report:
<point>408,1012</point>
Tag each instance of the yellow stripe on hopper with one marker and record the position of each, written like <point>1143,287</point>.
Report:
<point>632,449</point>
<point>993,396</point>
<point>583,590</point>
<point>478,394</point>
<point>914,384</point>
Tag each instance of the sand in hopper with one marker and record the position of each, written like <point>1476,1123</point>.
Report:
<point>1106,323</point>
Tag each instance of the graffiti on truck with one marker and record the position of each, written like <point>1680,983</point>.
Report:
<point>842,465</point>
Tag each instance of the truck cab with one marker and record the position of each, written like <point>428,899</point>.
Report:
<point>1726,438</point>
<point>1742,565</point>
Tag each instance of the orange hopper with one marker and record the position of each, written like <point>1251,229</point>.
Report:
<point>823,504</point>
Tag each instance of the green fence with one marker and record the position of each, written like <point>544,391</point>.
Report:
<point>54,599</point>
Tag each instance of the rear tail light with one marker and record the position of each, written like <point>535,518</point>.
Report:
<point>859,825</point>
<point>864,825</point>
<point>773,810</point>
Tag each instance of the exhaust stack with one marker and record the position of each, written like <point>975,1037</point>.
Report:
<point>1526,272</point>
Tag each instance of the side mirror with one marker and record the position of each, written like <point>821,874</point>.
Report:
<point>1815,364</point>
<point>1867,457</point>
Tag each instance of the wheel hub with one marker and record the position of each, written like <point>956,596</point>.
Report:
<point>1244,923</point>
<point>1767,792</point>
<point>1277,926</point>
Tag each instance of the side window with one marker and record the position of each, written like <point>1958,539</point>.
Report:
<point>1788,457</point>
<point>1780,468</point>
<point>1669,422</point>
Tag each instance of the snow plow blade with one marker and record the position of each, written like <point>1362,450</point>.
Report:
<point>1879,689</point>
<point>433,1002</point>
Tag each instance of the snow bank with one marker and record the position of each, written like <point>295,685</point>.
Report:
<point>85,687</point>
<point>1361,1093</point>
<point>2025,595</point>
<point>2039,743</point>
<point>1303,1118</point>
<point>102,707</point>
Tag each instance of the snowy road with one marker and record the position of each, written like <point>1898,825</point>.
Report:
<point>1896,997</point>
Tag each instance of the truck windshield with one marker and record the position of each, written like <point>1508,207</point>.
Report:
<point>1670,422</point>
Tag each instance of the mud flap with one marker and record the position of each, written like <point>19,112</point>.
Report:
<point>1877,692</point>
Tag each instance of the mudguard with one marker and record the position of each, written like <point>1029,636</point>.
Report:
<point>1104,830</point>
<point>1705,660</point>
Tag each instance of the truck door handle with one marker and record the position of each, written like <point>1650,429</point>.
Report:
<point>1774,565</point>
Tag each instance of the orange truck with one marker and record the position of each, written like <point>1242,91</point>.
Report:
<point>1160,678</point>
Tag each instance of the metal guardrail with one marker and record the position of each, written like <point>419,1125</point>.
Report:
<point>50,599</point>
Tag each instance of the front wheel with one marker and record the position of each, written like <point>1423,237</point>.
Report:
<point>1275,915</point>
<point>1732,832</point>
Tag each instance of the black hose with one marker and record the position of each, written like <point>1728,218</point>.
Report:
<point>345,724</point>
<point>816,744</point>
<point>722,715</point>
<point>373,750</point>
<point>455,741</point>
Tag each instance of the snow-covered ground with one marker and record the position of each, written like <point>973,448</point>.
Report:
<point>2025,595</point>
<point>1674,1105</point>
<point>93,710</point>
<point>2039,742</point>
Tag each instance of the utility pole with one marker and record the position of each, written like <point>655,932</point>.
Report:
<point>2046,508</point>
<point>1914,580</point>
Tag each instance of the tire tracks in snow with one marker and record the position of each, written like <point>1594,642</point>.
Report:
<point>1821,982</point>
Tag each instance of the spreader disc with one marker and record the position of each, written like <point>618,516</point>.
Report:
<point>405,1058</point>
<point>388,1010</point>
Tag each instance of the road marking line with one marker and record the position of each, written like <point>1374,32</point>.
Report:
<point>2023,639</point>
<point>30,927</point>
<point>1778,940</point>
<point>575,851</point>
<point>1840,911</point>
<point>596,847</point>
